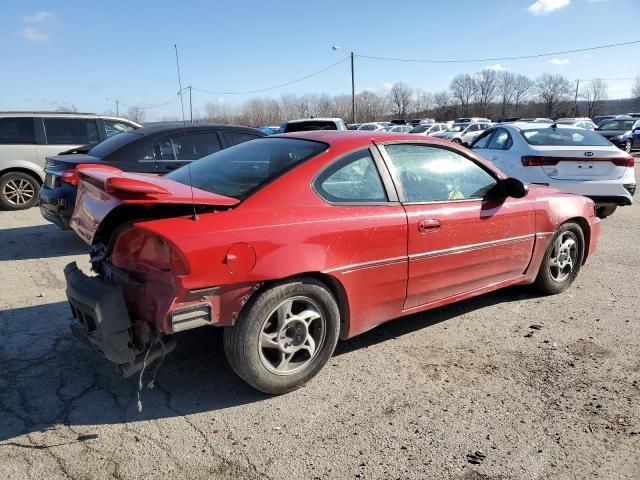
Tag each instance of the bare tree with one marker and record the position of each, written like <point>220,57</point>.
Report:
<point>136,114</point>
<point>442,104</point>
<point>506,91</point>
<point>594,95</point>
<point>522,89</point>
<point>463,89</point>
<point>400,98</point>
<point>554,92</point>
<point>423,102</point>
<point>370,107</point>
<point>486,84</point>
<point>635,90</point>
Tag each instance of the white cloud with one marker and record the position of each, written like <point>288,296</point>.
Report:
<point>387,85</point>
<point>33,34</point>
<point>545,7</point>
<point>497,67</point>
<point>559,61</point>
<point>39,17</point>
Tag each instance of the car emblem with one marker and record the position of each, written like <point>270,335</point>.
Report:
<point>588,154</point>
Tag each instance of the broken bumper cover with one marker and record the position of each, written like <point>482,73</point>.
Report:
<point>101,320</point>
<point>100,315</point>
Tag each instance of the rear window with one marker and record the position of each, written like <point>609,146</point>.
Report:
<point>238,171</point>
<point>111,144</point>
<point>564,137</point>
<point>310,125</point>
<point>616,125</point>
<point>17,131</point>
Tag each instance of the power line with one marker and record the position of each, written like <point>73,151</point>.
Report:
<point>495,59</point>
<point>249,92</point>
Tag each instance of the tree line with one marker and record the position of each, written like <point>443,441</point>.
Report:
<point>488,93</point>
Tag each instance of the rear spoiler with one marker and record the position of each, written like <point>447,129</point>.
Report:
<point>102,189</point>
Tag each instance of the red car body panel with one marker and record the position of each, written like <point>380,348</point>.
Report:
<point>383,261</point>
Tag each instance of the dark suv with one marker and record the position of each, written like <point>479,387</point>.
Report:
<point>151,150</point>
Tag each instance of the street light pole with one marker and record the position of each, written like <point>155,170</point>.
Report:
<point>353,83</point>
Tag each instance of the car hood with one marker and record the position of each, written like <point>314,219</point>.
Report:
<point>445,134</point>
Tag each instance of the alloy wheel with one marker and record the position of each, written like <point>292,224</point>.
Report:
<point>564,256</point>
<point>291,335</point>
<point>18,191</point>
<point>627,146</point>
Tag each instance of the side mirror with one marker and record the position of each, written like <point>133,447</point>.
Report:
<point>508,187</point>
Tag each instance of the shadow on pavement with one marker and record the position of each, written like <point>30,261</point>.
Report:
<point>40,241</point>
<point>48,379</point>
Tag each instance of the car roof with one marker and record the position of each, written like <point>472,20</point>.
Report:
<point>532,126</point>
<point>192,128</point>
<point>357,138</point>
<point>319,119</point>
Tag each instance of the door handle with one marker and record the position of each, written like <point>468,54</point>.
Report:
<point>429,226</point>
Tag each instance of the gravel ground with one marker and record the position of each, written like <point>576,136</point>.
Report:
<point>507,385</point>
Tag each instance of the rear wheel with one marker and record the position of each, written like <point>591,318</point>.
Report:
<point>18,191</point>
<point>562,260</point>
<point>628,146</point>
<point>284,336</point>
<point>457,140</point>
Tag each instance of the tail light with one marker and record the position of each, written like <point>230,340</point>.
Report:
<point>542,161</point>
<point>143,252</point>
<point>70,175</point>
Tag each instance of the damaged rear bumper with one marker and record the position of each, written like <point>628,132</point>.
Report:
<point>101,320</point>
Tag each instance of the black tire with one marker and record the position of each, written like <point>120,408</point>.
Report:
<point>242,341</point>
<point>628,146</point>
<point>546,280</point>
<point>27,185</point>
<point>457,140</point>
<point>605,211</point>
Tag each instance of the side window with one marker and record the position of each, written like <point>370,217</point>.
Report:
<point>195,146</point>
<point>429,174</point>
<point>354,178</point>
<point>161,150</point>
<point>235,138</point>
<point>113,127</point>
<point>71,131</point>
<point>501,140</point>
<point>483,140</point>
<point>472,128</point>
<point>17,131</point>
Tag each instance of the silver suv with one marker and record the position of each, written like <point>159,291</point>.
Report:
<point>28,138</point>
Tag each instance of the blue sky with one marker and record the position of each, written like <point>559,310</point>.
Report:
<point>81,53</point>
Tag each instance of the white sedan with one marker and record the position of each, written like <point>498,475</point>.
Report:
<point>572,159</point>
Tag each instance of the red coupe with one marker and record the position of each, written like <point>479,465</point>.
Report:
<point>294,241</point>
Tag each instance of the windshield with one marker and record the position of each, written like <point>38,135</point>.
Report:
<point>310,125</point>
<point>458,127</point>
<point>616,125</point>
<point>238,171</point>
<point>564,137</point>
<point>110,145</point>
<point>420,129</point>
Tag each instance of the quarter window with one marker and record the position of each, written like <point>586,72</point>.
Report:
<point>354,178</point>
<point>17,131</point>
<point>429,174</point>
<point>71,131</point>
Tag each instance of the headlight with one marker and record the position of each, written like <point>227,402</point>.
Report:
<point>617,137</point>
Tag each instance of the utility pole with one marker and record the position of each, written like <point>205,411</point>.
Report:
<point>117,108</point>
<point>575,113</point>
<point>353,83</point>
<point>190,104</point>
<point>353,93</point>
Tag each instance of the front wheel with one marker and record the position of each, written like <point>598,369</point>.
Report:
<point>457,140</point>
<point>284,336</point>
<point>562,259</point>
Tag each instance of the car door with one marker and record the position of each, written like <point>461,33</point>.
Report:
<point>469,134</point>
<point>635,134</point>
<point>457,241</point>
<point>61,134</point>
